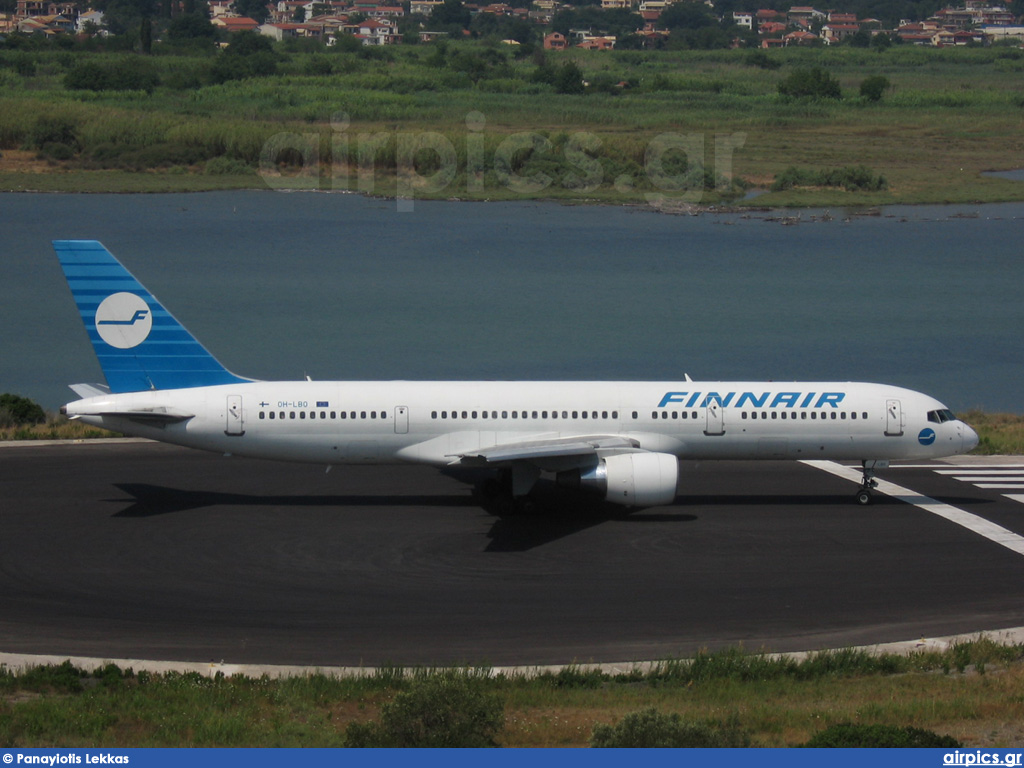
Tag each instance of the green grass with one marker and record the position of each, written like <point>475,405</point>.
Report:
<point>950,115</point>
<point>998,433</point>
<point>970,691</point>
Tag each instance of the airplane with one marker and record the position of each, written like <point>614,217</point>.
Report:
<point>621,440</point>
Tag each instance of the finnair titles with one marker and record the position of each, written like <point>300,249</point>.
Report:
<point>619,440</point>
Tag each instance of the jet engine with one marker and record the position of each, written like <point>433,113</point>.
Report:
<point>629,479</point>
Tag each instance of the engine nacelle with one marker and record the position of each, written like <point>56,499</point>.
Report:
<point>629,479</point>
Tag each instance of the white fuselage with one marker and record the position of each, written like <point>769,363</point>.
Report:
<point>439,422</point>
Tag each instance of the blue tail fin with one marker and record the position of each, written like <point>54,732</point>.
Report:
<point>139,344</point>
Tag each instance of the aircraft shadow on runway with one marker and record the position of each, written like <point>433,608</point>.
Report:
<point>151,500</point>
<point>555,515</point>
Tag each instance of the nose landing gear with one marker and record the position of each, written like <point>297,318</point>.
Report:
<point>868,483</point>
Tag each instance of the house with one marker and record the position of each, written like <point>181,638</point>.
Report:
<point>384,11</point>
<point>614,4</point>
<point>378,32</point>
<point>804,15</point>
<point>650,20</point>
<point>554,42</point>
<point>424,7</point>
<point>766,15</point>
<point>773,42</point>
<point>89,17</point>
<point>235,23</point>
<point>606,43</point>
<point>25,8</point>
<point>839,32</point>
<point>772,29</point>
<point>800,37</point>
<point>743,19</point>
<point>286,30</point>
<point>842,18</point>
<point>1004,33</point>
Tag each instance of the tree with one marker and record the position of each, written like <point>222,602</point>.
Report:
<point>16,410</point>
<point>451,12</point>
<point>686,16</point>
<point>813,83</point>
<point>146,35</point>
<point>569,79</point>
<point>874,87</point>
<point>191,26</point>
<point>253,9</point>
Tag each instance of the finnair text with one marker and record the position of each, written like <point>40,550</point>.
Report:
<point>754,400</point>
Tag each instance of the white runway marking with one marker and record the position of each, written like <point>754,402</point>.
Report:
<point>995,477</point>
<point>978,525</point>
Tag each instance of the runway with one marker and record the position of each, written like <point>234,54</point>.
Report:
<point>150,551</point>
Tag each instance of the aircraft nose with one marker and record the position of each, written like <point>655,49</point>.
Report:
<point>970,439</point>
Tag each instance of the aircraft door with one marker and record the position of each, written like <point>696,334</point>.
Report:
<point>893,418</point>
<point>715,418</point>
<point>401,420</point>
<point>235,420</point>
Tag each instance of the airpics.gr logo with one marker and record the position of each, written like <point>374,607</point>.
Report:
<point>926,436</point>
<point>124,320</point>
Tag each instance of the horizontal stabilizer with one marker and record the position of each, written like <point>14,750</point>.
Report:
<point>89,390</point>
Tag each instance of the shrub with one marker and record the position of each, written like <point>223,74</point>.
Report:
<point>227,166</point>
<point>438,711</point>
<point>650,728</point>
<point>761,60</point>
<point>874,87</point>
<point>852,178</point>
<point>569,79</point>
<point>120,75</point>
<point>813,83</point>
<point>53,129</point>
<point>845,735</point>
<point>16,410</point>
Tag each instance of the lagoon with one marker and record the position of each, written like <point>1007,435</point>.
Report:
<point>330,285</point>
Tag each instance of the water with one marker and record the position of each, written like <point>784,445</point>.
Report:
<point>283,285</point>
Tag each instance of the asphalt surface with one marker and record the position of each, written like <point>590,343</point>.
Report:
<point>150,551</point>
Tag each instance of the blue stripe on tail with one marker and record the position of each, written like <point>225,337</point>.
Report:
<point>139,344</point>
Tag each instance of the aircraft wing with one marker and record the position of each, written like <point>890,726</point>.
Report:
<point>538,451</point>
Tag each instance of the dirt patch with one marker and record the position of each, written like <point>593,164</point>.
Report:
<point>23,161</point>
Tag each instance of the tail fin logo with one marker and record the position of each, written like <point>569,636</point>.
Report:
<point>124,320</point>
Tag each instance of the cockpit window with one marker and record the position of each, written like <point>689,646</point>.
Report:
<point>942,416</point>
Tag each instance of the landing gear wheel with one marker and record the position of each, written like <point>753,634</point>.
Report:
<point>865,497</point>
